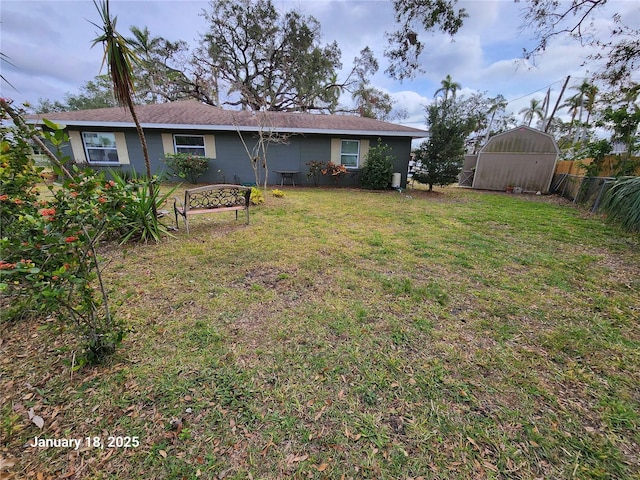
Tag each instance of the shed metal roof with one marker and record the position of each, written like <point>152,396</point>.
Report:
<point>521,140</point>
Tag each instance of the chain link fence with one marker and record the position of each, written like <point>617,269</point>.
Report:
<point>587,191</point>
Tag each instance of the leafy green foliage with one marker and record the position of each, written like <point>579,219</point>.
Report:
<point>624,120</point>
<point>378,169</point>
<point>186,165</point>
<point>597,151</point>
<point>277,62</point>
<point>405,47</point>
<point>49,263</point>
<point>440,158</point>
<point>137,220</point>
<point>622,203</point>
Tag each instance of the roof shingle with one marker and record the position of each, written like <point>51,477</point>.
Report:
<point>195,115</point>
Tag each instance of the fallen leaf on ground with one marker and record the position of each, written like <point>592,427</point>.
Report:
<point>36,419</point>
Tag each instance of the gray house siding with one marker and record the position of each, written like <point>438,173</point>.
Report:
<point>231,163</point>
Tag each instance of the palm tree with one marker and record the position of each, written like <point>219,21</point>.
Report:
<point>591,96</point>
<point>497,103</point>
<point>144,47</point>
<point>533,110</point>
<point>573,104</point>
<point>333,89</point>
<point>448,85</point>
<point>119,59</point>
<point>587,97</point>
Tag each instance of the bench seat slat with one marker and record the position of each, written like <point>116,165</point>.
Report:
<point>214,210</point>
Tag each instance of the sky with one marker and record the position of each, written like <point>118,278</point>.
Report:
<point>49,46</point>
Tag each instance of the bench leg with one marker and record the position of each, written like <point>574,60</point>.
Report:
<point>186,223</point>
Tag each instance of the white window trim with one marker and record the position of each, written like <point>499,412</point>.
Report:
<point>204,143</point>
<point>86,148</point>
<point>357,155</point>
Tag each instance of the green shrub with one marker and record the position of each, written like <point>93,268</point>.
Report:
<point>49,264</point>
<point>186,165</point>
<point>622,203</point>
<point>278,193</point>
<point>378,169</point>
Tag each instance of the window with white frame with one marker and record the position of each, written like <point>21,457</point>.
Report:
<point>350,153</point>
<point>100,147</point>
<point>193,144</point>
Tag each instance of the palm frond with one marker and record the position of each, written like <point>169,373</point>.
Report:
<point>622,203</point>
<point>118,55</point>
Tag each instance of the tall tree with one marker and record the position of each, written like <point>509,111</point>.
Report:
<point>372,102</point>
<point>533,110</point>
<point>164,71</point>
<point>622,116</point>
<point>448,86</point>
<point>497,105</point>
<point>619,48</point>
<point>573,104</point>
<point>145,46</point>
<point>413,16</point>
<point>440,158</point>
<point>119,58</point>
<point>268,60</point>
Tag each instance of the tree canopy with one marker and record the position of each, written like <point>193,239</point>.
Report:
<point>412,16</point>
<point>269,60</point>
<point>451,124</point>
<point>619,48</point>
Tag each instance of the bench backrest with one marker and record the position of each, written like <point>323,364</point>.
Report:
<point>216,196</point>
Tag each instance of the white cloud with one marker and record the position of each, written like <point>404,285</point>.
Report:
<point>49,42</point>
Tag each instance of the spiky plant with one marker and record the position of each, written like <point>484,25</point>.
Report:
<point>622,203</point>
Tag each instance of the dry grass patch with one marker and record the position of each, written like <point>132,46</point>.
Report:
<point>351,334</point>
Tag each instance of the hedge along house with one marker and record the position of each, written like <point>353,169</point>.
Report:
<point>107,138</point>
<point>523,157</point>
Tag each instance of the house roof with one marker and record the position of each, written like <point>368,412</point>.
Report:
<point>193,115</point>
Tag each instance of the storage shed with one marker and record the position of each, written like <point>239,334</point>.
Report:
<point>523,157</point>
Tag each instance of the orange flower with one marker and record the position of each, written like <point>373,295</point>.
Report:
<point>102,200</point>
<point>3,197</point>
<point>70,239</point>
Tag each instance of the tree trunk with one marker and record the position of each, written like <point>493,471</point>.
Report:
<point>145,153</point>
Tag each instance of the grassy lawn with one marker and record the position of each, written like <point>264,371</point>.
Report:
<point>351,334</point>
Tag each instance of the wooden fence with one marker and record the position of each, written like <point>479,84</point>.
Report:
<point>576,167</point>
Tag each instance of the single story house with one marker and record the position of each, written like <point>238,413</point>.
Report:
<point>107,138</point>
<point>522,157</point>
